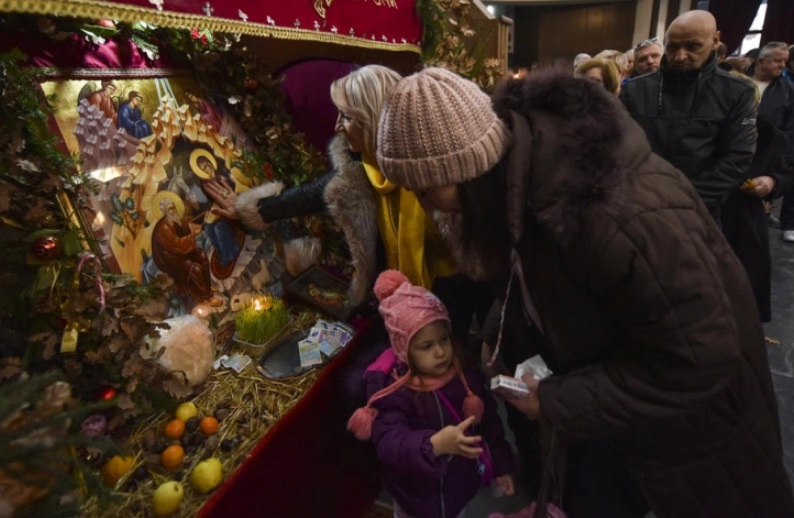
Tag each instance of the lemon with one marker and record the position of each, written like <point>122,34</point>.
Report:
<point>206,475</point>
<point>115,468</point>
<point>185,411</point>
<point>167,498</point>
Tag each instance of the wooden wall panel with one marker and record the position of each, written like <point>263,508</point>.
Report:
<point>547,33</point>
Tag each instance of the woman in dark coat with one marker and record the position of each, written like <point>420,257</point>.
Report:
<point>642,309</point>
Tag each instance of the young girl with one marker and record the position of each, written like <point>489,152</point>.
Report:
<point>437,441</point>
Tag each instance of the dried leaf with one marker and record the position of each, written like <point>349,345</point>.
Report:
<point>125,402</point>
<point>10,367</point>
<point>133,368</point>
<point>178,389</point>
<point>108,326</point>
<point>49,340</point>
<point>93,357</point>
<point>117,343</point>
<point>130,330</point>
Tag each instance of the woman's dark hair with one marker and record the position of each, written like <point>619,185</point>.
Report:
<point>484,233</point>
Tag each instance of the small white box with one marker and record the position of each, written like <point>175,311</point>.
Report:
<point>508,388</point>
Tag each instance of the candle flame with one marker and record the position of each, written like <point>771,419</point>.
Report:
<point>262,303</point>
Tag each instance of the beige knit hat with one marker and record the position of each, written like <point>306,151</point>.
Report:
<point>437,128</point>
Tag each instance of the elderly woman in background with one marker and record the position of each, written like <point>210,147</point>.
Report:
<point>602,72</point>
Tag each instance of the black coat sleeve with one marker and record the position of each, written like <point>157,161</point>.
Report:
<point>299,200</point>
<point>734,153</point>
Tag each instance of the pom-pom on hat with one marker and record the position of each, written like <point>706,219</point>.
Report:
<point>406,309</point>
<point>437,128</point>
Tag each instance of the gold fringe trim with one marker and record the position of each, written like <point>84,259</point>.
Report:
<point>126,13</point>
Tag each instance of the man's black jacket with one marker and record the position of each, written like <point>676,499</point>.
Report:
<point>701,121</point>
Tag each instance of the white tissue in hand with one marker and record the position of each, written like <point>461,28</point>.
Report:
<point>534,366</point>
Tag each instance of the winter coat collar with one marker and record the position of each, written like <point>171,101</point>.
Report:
<point>351,202</point>
<point>573,143</point>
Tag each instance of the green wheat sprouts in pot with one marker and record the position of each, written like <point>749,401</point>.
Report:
<point>261,320</point>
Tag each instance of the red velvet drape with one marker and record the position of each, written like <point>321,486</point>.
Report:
<point>734,18</point>
<point>779,22</point>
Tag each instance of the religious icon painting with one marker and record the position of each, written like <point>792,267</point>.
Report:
<point>151,143</point>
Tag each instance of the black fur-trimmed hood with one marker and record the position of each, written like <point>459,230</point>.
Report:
<point>580,144</point>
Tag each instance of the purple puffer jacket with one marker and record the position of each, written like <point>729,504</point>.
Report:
<point>424,485</point>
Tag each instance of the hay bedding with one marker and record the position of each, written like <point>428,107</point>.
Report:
<point>250,404</point>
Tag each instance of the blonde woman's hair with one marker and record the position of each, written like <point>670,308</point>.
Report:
<point>620,60</point>
<point>609,73</point>
<point>360,96</point>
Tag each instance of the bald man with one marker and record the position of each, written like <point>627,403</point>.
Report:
<point>696,116</point>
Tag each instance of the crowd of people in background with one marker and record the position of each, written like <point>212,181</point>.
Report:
<point>740,128</point>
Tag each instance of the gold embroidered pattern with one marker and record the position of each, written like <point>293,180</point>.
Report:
<point>99,9</point>
<point>318,6</point>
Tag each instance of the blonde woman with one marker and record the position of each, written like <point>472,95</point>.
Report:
<point>601,71</point>
<point>364,204</point>
<point>619,59</point>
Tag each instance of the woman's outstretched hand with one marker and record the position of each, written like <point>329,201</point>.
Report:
<point>452,440</point>
<point>223,195</point>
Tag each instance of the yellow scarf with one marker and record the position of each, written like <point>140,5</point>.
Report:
<point>403,234</point>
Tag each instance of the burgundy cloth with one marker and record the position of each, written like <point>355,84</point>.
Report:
<point>307,464</point>
<point>307,86</point>
<point>734,18</point>
<point>779,22</point>
<point>75,52</point>
<point>376,21</point>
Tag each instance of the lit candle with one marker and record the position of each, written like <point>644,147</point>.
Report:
<point>261,320</point>
<point>201,311</point>
<point>262,303</point>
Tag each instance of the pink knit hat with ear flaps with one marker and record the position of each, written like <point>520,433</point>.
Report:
<point>437,129</point>
<point>406,309</point>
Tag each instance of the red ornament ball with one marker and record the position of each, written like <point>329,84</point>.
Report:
<point>107,393</point>
<point>46,248</point>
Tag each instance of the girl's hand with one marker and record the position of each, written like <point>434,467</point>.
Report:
<point>506,483</point>
<point>528,405</point>
<point>452,440</point>
<point>223,195</point>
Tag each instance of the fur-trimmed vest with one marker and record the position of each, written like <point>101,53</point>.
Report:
<point>352,203</point>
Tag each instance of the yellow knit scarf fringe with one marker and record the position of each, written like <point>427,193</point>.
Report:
<point>403,234</point>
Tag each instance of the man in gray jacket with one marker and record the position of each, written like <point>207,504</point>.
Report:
<point>696,116</point>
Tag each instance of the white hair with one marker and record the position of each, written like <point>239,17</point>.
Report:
<point>580,58</point>
<point>767,49</point>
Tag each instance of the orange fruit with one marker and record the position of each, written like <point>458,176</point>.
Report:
<point>172,456</point>
<point>209,425</point>
<point>174,429</point>
<point>116,468</point>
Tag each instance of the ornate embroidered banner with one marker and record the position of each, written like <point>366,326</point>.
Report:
<point>375,24</point>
